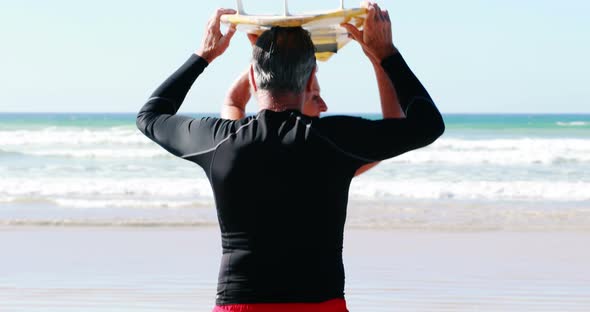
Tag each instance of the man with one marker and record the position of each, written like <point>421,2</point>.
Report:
<point>234,106</point>
<point>282,248</point>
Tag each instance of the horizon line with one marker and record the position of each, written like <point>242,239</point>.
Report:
<point>328,113</point>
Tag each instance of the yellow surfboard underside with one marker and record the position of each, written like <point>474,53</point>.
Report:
<point>326,33</point>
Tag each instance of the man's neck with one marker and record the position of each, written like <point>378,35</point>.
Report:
<point>279,102</point>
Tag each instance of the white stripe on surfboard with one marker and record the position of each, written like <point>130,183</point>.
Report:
<point>241,11</point>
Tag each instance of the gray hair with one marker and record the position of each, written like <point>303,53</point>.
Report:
<point>283,59</point>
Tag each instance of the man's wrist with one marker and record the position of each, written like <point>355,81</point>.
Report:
<point>205,56</point>
<point>388,53</point>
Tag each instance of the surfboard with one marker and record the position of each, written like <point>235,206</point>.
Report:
<point>326,33</point>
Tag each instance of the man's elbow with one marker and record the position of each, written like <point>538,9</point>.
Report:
<point>232,112</point>
<point>435,130</point>
<point>141,121</point>
<point>439,128</point>
<point>430,131</point>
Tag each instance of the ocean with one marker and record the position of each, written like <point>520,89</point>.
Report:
<point>487,172</point>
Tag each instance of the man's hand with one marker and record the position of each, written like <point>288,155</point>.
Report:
<point>214,42</point>
<point>375,38</point>
<point>253,38</point>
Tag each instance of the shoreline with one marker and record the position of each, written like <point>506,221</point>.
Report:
<point>396,215</point>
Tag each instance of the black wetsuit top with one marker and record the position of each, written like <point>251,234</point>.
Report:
<point>281,179</point>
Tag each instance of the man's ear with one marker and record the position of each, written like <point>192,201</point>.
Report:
<point>251,78</point>
<point>309,85</point>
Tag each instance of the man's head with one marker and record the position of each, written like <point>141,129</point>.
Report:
<point>283,60</point>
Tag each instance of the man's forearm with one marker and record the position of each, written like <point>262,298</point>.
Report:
<point>234,106</point>
<point>169,96</point>
<point>407,86</point>
<point>158,120</point>
<point>390,106</point>
<point>414,100</point>
<point>176,87</point>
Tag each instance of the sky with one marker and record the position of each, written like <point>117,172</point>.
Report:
<point>473,56</point>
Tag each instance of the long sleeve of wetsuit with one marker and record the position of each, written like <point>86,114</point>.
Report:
<point>374,140</point>
<point>408,88</point>
<point>157,119</point>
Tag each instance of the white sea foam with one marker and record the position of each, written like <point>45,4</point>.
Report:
<point>445,150</point>
<point>535,191</point>
<point>501,151</point>
<point>573,123</point>
<point>146,190</point>
<point>191,192</point>
<point>73,136</point>
<point>103,153</point>
<point>170,203</point>
<point>374,203</point>
<point>127,142</point>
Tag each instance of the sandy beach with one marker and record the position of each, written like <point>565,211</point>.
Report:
<point>175,269</point>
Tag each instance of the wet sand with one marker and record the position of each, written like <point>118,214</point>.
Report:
<point>175,269</point>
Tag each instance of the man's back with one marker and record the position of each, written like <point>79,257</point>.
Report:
<point>281,233</point>
<point>281,193</point>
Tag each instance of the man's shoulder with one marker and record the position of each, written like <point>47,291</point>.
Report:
<point>340,126</point>
<point>218,121</point>
<point>340,121</point>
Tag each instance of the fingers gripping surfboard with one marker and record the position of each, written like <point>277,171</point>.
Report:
<point>326,33</point>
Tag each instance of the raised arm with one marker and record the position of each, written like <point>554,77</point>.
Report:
<point>377,43</point>
<point>157,119</point>
<point>390,106</point>
<point>377,140</point>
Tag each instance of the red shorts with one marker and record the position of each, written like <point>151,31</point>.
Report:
<point>334,305</point>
